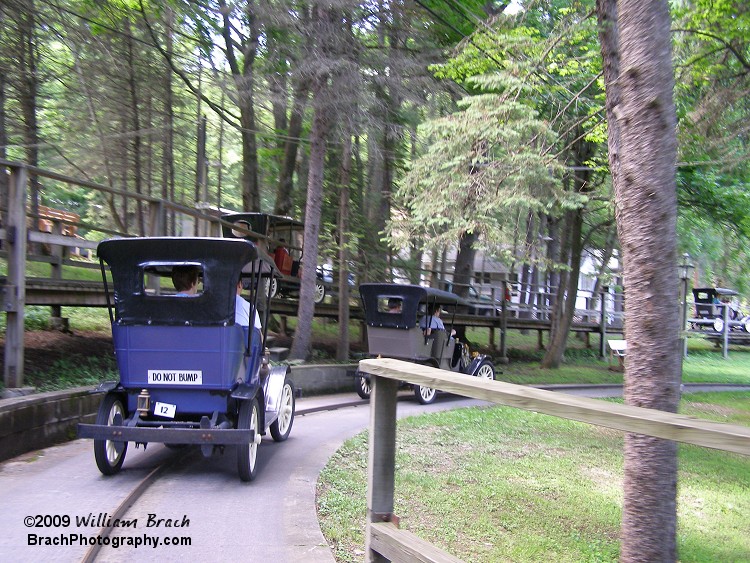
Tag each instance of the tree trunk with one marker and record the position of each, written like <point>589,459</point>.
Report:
<point>3,130</point>
<point>464,271</point>
<point>167,155</point>
<point>302,343</point>
<point>289,159</point>
<point>244,80</point>
<point>342,351</point>
<point>527,284</point>
<point>27,93</point>
<point>565,303</point>
<point>250,187</point>
<point>136,125</point>
<point>641,119</point>
<point>607,252</point>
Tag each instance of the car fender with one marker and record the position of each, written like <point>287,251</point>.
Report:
<point>478,359</point>
<point>273,386</point>
<point>107,386</point>
<point>245,391</point>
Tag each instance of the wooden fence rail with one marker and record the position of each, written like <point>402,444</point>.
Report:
<point>384,541</point>
<point>20,227</point>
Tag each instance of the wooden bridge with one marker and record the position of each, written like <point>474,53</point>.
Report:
<point>45,236</point>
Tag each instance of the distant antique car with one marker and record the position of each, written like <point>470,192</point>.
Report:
<point>282,239</point>
<point>709,309</point>
<point>397,317</point>
<point>190,373</point>
<point>479,303</point>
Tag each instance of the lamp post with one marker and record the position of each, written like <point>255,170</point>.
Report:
<point>685,269</point>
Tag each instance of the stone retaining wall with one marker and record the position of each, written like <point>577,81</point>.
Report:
<point>40,420</point>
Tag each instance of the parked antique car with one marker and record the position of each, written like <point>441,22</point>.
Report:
<point>710,303</point>
<point>399,318</point>
<point>282,239</point>
<point>479,303</point>
<point>190,373</point>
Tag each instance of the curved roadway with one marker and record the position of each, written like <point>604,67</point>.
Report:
<point>271,519</point>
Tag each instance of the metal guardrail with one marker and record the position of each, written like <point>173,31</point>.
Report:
<point>383,539</point>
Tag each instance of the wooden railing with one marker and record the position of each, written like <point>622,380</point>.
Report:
<point>20,231</point>
<point>385,541</point>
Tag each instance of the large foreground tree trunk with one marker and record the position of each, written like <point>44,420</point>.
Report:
<point>642,142</point>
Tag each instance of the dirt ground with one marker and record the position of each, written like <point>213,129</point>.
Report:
<point>42,348</point>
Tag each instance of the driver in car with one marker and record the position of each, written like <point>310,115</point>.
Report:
<point>433,318</point>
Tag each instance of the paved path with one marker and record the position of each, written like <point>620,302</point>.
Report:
<point>273,518</point>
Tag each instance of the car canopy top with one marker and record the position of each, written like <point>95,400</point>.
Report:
<point>139,298</point>
<point>261,223</point>
<point>375,297</point>
<point>706,294</point>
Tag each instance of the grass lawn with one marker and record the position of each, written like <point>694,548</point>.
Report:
<point>502,484</point>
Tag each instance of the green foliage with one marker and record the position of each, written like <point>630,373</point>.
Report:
<point>711,45</point>
<point>74,372</point>
<point>531,487</point>
<point>482,167</point>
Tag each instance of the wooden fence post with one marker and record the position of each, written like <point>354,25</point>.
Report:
<point>504,324</point>
<point>381,464</point>
<point>15,288</point>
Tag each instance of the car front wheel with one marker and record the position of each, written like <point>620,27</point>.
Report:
<point>485,371</point>
<point>281,427</point>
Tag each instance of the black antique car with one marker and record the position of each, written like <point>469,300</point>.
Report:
<point>399,320</point>
<point>710,305</point>
<point>281,238</point>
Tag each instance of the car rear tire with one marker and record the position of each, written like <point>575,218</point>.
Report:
<point>281,427</point>
<point>247,454</point>
<point>110,455</point>
<point>425,395</point>
<point>320,293</point>
<point>273,288</point>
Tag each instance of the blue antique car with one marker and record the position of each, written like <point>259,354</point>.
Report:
<point>189,374</point>
<point>399,318</point>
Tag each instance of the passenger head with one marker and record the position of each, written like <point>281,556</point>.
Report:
<point>240,285</point>
<point>394,305</point>
<point>185,278</point>
<point>433,309</point>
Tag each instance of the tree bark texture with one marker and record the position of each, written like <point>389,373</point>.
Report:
<point>28,89</point>
<point>285,190</point>
<point>302,344</point>
<point>342,350</point>
<point>641,117</point>
<point>244,80</point>
<point>565,303</point>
